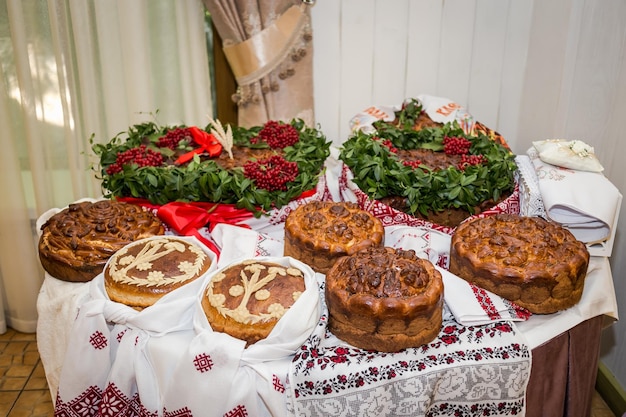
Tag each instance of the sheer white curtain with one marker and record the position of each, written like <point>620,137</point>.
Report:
<point>70,69</point>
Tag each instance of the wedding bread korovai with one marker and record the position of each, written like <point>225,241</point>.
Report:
<point>384,299</point>
<point>320,232</point>
<point>76,242</point>
<point>142,272</point>
<point>535,263</point>
<point>247,299</point>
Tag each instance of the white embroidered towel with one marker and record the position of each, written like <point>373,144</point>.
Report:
<point>112,339</point>
<point>233,379</point>
<point>584,202</point>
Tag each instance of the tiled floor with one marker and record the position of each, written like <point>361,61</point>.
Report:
<point>24,391</point>
<point>23,388</point>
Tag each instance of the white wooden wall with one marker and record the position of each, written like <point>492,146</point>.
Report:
<point>529,69</point>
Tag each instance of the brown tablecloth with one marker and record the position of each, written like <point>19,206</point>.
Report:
<point>563,372</point>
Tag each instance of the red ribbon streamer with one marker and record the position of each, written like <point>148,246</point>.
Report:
<point>207,144</point>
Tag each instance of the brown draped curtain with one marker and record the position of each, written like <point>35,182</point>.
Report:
<point>268,45</point>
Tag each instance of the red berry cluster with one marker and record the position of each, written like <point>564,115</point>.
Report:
<point>389,144</point>
<point>173,137</point>
<point>456,145</point>
<point>277,135</point>
<point>467,160</point>
<point>412,164</point>
<point>141,156</point>
<point>272,173</point>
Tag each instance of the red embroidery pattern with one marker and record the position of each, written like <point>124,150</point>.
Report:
<point>203,362</point>
<point>239,411</point>
<point>98,340</point>
<point>450,347</point>
<point>112,402</point>
<point>183,412</point>
<point>115,403</point>
<point>86,404</point>
<point>278,386</point>
<point>120,335</point>
<point>519,312</point>
<point>258,249</point>
<point>485,302</point>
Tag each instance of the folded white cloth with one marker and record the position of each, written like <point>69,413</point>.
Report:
<point>473,306</point>
<point>574,154</point>
<point>584,202</point>
<point>439,109</point>
<point>115,374</point>
<point>232,379</point>
<point>530,201</point>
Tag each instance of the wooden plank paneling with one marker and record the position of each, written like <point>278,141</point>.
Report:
<point>597,69</point>
<point>544,70</point>
<point>357,54</point>
<point>424,38</point>
<point>529,69</point>
<point>517,36</point>
<point>457,35</point>
<point>325,21</point>
<point>487,57</point>
<point>390,57</point>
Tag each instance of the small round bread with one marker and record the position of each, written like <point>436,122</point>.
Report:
<point>320,232</point>
<point>537,264</point>
<point>246,300</point>
<point>76,242</point>
<point>384,299</point>
<point>142,272</point>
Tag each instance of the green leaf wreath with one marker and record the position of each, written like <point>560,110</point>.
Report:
<point>203,179</point>
<point>379,173</point>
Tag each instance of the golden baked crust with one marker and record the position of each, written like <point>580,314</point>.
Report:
<point>384,299</point>
<point>76,243</point>
<point>142,272</point>
<point>535,263</point>
<point>320,232</point>
<point>247,299</point>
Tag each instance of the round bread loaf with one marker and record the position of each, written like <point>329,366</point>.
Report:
<point>142,272</point>
<point>246,300</point>
<point>384,299</point>
<point>76,243</point>
<point>537,264</point>
<point>320,232</point>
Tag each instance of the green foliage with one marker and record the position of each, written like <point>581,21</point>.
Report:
<point>379,173</point>
<point>205,180</point>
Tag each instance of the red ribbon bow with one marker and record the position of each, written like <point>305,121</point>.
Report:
<point>206,142</point>
<point>187,218</point>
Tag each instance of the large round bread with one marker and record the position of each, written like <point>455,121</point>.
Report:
<point>384,299</point>
<point>142,272</point>
<point>246,300</point>
<point>535,263</point>
<point>76,243</point>
<point>320,232</point>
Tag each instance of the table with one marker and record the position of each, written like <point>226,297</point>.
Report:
<point>554,340</point>
<point>418,378</point>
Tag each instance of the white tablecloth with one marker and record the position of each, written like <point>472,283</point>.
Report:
<point>467,369</point>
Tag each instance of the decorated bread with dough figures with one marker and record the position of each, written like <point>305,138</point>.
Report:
<point>533,262</point>
<point>142,272</point>
<point>77,242</point>
<point>247,299</point>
